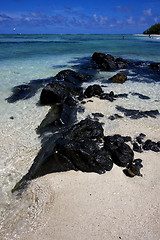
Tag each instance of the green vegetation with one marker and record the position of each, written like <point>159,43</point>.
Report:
<point>154,29</point>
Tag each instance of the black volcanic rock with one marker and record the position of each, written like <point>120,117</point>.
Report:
<point>137,147</point>
<point>122,63</point>
<point>108,96</point>
<point>70,76</point>
<point>155,66</point>
<point>93,90</point>
<point>85,129</point>
<point>151,145</point>
<point>59,92</point>
<point>104,61</point>
<point>140,138</point>
<point>78,148</point>
<point>121,152</point>
<point>107,62</point>
<point>55,92</point>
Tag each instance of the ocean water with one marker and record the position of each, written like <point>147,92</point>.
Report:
<point>24,58</point>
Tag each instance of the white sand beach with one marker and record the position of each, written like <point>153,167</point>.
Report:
<point>76,205</point>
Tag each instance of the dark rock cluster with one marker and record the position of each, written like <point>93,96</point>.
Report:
<point>140,144</point>
<point>108,62</point>
<point>63,89</point>
<point>83,146</point>
<point>121,152</point>
<point>155,66</point>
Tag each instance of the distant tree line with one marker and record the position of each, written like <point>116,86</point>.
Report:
<point>154,29</point>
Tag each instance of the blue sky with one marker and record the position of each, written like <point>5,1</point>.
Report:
<point>82,16</point>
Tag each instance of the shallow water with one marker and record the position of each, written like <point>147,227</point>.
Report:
<point>32,57</point>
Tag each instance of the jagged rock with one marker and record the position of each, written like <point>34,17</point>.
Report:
<point>76,149</point>
<point>84,155</point>
<point>114,116</point>
<point>55,92</point>
<point>127,138</point>
<point>121,153</point>
<point>133,168</point>
<point>155,66</point>
<point>93,90</point>
<point>58,92</point>
<point>119,78</point>
<point>140,138</point>
<point>108,62</point>
<point>85,129</point>
<point>70,76</point>
<point>108,96</point>
<point>103,61</point>
<point>151,145</point>
<point>80,146</point>
<point>137,148</point>
<point>64,86</point>
<point>122,63</point>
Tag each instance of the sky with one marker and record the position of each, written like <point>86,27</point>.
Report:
<point>78,17</point>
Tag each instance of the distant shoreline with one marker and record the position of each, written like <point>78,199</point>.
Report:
<point>141,34</point>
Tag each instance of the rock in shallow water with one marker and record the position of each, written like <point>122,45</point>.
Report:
<point>78,148</point>
<point>119,78</point>
<point>107,62</point>
<point>55,92</point>
<point>104,61</point>
<point>70,76</point>
<point>93,90</point>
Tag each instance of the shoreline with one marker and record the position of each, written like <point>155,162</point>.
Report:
<point>78,205</point>
<point>141,34</point>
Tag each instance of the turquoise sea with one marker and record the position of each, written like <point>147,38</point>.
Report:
<point>24,58</point>
<point>30,57</point>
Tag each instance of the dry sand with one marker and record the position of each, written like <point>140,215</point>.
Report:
<point>75,205</point>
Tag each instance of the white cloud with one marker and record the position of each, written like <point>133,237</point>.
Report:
<point>119,21</point>
<point>130,20</point>
<point>95,18</point>
<point>33,14</point>
<point>148,12</point>
<point>124,9</point>
<point>156,19</point>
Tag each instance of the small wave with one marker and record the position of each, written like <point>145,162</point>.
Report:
<point>24,42</point>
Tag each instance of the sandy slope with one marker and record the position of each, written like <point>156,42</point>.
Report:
<point>76,205</point>
<point>82,206</point>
